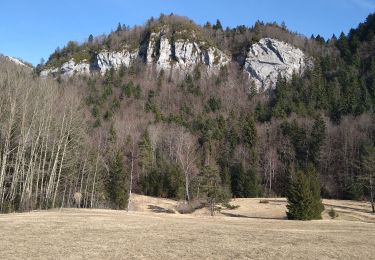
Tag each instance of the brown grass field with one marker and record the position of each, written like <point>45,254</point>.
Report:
<point>253,231</point>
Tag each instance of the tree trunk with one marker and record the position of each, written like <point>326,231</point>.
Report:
<point>93,182</point>
<point>187,186</point>
<point>131,181</point>
<point>372,195</point>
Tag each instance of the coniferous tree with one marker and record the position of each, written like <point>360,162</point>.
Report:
<point>214,191</point>
<point>91,38</point>
<point>317,137</point>
<point>342,44</point>
<point>249,133</point>
<point>303,194</point>
<point>119,28</point>
<point>237,173</point>
<point>117,187</point>
<point>371,81</point>
<point>145,153</point>
<point>218,25</point>
<point>252,189</point>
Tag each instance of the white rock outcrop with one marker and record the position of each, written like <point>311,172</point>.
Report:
<point>69,69</point>
<point>106,60</point>
<point>187,54</point>
<point>268,58</point>
<point>214,58</point>
<point>179,56</point>
<point>50,71</point>
<point>164,56</point>
<point>263,62</point>
<point>182,55</point>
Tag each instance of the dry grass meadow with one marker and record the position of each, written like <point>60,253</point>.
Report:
<point>253,231</point>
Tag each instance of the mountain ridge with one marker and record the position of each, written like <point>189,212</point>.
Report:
<point>175,45</point>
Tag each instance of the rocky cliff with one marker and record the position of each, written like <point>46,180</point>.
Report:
<point>182,54</point>
<point>177,54</point>
<point>106,60</point>
<point>69,69</point>
<point>268,58</point>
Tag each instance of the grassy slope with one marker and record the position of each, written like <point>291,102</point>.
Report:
<point>251,208</point>
<point>99,234</point>
<point>103,234</point>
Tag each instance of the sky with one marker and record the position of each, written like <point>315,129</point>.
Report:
<point>32,30</point>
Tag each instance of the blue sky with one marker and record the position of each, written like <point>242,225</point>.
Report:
<point>33,29</point>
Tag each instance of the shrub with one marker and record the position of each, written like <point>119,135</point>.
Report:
<point>189,207</point>
<point>214,104</point>
<point>230,206</point>
<point>332,213</point>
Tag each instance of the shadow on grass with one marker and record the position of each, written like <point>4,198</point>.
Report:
<point>157,209</point>
<point>349,208</point>
<point>243,216</point>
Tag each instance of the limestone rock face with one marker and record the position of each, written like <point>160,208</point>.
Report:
<point>214,58</point>
<point>106,60</point>
<point>179,53</point>
<point>69,69</point>
<point>51,71</point>
<point>178,56</point>
<point>187,54</point>
<point>268,58</point>
<point>165,54</point>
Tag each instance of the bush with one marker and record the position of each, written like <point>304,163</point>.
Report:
<point>214,104</point>
<point>230,206</point>
<point>189,207</point>
<point>332,213</point>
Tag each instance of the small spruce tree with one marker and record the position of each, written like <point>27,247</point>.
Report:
<point>213,189</point>
<point>303,194</point>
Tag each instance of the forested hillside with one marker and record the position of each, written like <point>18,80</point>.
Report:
<point>88,140</point>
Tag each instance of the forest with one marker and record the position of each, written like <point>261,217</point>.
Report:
<point>92,141</point>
